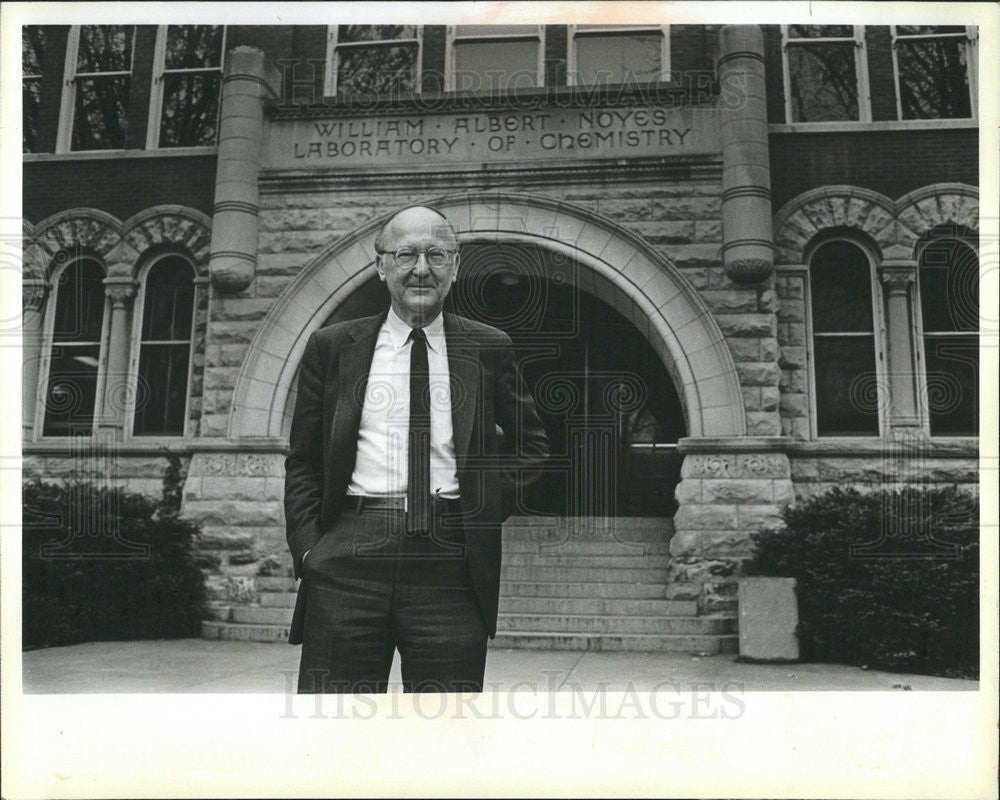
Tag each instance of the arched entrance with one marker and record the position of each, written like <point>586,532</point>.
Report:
<point>623,357</point>
<point>609,263</point>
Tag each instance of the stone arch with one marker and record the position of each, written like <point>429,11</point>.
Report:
<point>931,206</point>
<point>165,227</point>
<point>643,286</point>
<point>83,229</point>
<point>801,219</point>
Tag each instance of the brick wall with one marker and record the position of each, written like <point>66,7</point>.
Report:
<point>120,186</point>
<point>890,162</point>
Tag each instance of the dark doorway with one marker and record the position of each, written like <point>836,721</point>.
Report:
<point>609,406</point>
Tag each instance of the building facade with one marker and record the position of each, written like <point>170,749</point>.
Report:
<point>739,265</point>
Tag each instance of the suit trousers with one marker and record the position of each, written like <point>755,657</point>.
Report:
<point>372,588</point>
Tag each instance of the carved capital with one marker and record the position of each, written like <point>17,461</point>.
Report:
<point>898,276</point>
<point>120,290</point>
<point>33,294</point>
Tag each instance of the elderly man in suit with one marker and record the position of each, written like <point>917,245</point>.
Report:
<point>412,439</point>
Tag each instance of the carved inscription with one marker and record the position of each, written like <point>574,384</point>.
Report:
<point>489,136</point>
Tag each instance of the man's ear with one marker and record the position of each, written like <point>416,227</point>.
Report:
<point>379,267</point>
<point>454,269</point>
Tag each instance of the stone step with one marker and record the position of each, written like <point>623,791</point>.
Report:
<point>235,631</point>
<point>261,615</point>
<point>599,561</point>
<point>274,583</point>
<point>584,548</point>
<point>619,529</point>
<point>534,640</point>
<point>278,599</point>
<point>636,643</point>
<point>616,625</point>
<point>598,605</point>
<point>536,588</point>
<point>586,574</point>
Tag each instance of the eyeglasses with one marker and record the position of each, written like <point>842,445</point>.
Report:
<point>406,257</point>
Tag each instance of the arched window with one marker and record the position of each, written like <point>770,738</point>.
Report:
<point>949,311</point>
<point>76,347</point>
<point>843,340</point>
<point>165,348</point>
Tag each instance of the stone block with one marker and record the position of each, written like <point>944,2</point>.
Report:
<point>768,348</point>
<point>684,208</point>
<point>737,491</point>
<point>768,301</point>
<point>769,396</point>
<point>231,588</point>
<point>744,349</point>
<point>758,517</point>
<point>794,405</point>
<point>708,231</point>
<point>702,517</point>
<point>751,398</point>
<point>792,356</point>
<point>731,301</point>
<point>768,617</point>
<point>763,423</point>
<point>758,373</point>
<point>747,325</point>
<point>688,491</point>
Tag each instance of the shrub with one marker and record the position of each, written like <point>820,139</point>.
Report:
<point>103,563</point>
<point>886,579</point>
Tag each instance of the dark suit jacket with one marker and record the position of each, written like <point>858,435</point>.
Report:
<point>487,391</point>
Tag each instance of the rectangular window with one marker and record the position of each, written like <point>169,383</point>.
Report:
<point>824,73</point>
<point>373,60</point>
<point>187,83</point>
<point>489,59</point>
<point>932,65</point>
<point>32,59</point>
<point>602,55</point>
<point>95,96</point>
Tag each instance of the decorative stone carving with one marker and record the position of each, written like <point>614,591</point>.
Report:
<point>889,223</point>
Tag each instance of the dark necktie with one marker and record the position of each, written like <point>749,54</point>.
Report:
<point>418,466</point>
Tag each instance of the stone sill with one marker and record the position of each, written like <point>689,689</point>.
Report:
<point>873,127</point>
<point>156,447</point>
<point>957,447</point>
<point>106,155</point>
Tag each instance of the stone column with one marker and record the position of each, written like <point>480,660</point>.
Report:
<point>747,248</point>
<point>34,292</point>
<point>729,489</point>
<point>121,291</point>
<point>249,81</point>
<point>898,272</point>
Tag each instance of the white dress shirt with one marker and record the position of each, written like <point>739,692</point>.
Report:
<point>380,467</point>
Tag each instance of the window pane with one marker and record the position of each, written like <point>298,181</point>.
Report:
<point>31,92</point>
<point>193,46</point>
<point>162,389</point>
<point>949,287</point>
<point>190,109</point>
<point>496,66</point>
<point>496,30</point>
<point>846,386</point>
<point>169,300</point>
<point>933,79</point>
<point>953,384</point>
<point>79,303</point>
<point>824,83</point>
<point>924,30</point>
<point>32,49</point>
<point>618,58</point>
<point>105,48</point>
<point>101,113</point>
<point>840,281</point>
<point>72,389</point>
<point>820,31</point>
<point>375,33</point>
<point>382,70</point>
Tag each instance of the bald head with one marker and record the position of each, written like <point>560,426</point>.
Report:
<point>411,218</point>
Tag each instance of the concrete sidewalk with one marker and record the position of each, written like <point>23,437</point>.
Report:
<point>206,666</point>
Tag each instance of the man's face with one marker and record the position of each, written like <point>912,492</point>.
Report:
<point>418,292</point>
